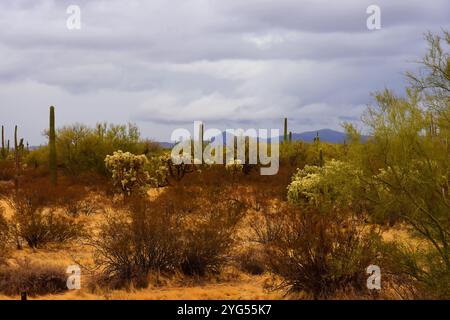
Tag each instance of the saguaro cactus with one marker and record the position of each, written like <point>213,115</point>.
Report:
<point>3,152</point>
<point>290,136</point>
<point>285,130</point>
<point>317,138</point>
<point>52,146</point>
<point>18,148</point>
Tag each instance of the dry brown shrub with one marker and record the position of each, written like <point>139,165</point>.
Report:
<point>251,261</point>
<point>7,170</point>
<point>317,254</point>
<point>32,278</point>
<point>37,219</point>
<point>182,231</point>
<point>4,238</point>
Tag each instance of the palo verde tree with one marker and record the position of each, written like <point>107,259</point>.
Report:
<point>407,166</point>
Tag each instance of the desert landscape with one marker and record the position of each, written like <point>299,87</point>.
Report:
<point>101,212</point>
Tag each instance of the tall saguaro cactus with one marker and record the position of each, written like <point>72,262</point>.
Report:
<point>18,149</point>
<point>285,130</point>
<point>52,146</point>
<point>3,152</point>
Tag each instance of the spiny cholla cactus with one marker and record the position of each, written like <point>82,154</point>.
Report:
<point>158,170</point>
<point>234,166</point>
<point>128,171</point>
<point>333,184</point>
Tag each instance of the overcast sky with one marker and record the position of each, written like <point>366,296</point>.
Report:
<point>236,63</point>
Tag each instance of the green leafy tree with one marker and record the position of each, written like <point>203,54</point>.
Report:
<point>406,166</point>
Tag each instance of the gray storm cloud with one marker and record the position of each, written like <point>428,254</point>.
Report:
<point>163,64</point>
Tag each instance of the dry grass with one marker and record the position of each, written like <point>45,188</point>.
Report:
<point>246,288</point>
<point>246,281</point>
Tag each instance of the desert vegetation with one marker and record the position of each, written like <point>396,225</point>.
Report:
<point>116,205</point>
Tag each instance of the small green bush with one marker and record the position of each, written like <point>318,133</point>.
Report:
<point>82,149</point>
<point>158,170</point>
<point>329,187</point>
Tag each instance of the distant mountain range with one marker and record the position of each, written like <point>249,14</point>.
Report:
<point>325,135</point>
<point>166,145</point>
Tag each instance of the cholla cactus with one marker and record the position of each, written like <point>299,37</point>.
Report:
<point>159,171</point>
<point>161,175</point>
<point>305,185</point>
<point>333,184</point>
<point>127,170</point>
<point>234,166</point>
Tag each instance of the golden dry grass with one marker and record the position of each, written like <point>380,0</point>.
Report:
<point>228,286</point>
<point>247,288</point>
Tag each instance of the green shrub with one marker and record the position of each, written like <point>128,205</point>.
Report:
<point>332,186</point>
<point>83,149</point>
<point>158,170</point>
<point>407,169</point>
<point>419,269</point>
<point>294,154</point>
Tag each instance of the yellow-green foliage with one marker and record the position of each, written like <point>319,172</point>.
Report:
<point>406,164</point>
<point>83,149</point>
<point>38,157</point>
<point>334,184</point>
<point>295,153</point>
<point>299,153</point>
<point>127,170</point>
<point>158,170</point>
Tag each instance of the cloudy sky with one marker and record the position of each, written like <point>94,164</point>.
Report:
<point>236,63</point>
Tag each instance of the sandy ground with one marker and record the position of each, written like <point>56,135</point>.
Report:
<point>237,286</point>
<point>246,289</point>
